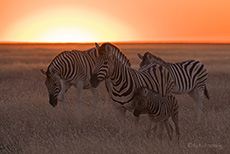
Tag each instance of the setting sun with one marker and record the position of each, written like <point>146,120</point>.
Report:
<point>67,34</point>
<point>68,25</point>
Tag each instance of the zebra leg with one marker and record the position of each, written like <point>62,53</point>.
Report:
<point>197,95</point>
<point>120,112</point>
<point>161,125</point>
<point>200,104</point>
<point>136,122</point>
<point>95,95</point>
<point>175,120</point>
<point>169,129</point>
<point>61,99</point>
<point>194,95</point>
<point>153,125</point>
<point>109,87</point>
<point>64,88</point>
<point>79,87</point>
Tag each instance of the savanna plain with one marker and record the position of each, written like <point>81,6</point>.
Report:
<point>29,124</point>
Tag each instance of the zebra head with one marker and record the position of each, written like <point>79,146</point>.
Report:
<point>140,101</point>
<point>149,58</point>
<point>103,65</point>
<point>53,85</point>
<point>146,59</point>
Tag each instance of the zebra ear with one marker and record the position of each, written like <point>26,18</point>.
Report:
<point>43,72</point>
<point>97,46</point>
<point>140,56</point>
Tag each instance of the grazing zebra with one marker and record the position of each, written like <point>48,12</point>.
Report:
<point>189,77</point>
<point>159,109</point>
<point>113,64</point>
<point>70,68</point>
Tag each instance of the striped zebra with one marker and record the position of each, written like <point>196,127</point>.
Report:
<point>70,68</point>
<point>189,77</point>
<point>159,109</point>
<point>112,64</point>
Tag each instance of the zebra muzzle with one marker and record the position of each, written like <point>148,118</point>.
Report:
<point>94,80</point>
<point>53,100</point>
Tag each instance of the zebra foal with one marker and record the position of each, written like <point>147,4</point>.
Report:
<point>189,77</point>
<point>159,108</point>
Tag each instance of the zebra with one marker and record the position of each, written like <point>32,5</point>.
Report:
<point>159,109</point>
<point>114,65</point>
<point>189,77</point>
<point>70,68</point>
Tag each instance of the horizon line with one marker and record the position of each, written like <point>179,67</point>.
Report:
<point>121,42</point>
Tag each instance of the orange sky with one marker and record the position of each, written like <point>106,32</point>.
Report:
<point>115,20</point>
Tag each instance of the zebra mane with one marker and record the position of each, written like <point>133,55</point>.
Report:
<point>153,58</point>
<point>108,48</point>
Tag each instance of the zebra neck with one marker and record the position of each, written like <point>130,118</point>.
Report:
<point>120,74</point>
<point>123,85</point>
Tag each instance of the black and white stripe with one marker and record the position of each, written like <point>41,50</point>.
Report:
<point>70,68</point>
<point>189,77</point>
<point>113,64</point>
<point>159,109</point>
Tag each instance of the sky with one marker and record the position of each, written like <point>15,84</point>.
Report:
<point>115,21</point>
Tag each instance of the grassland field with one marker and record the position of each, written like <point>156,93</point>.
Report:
<point>30,125</point>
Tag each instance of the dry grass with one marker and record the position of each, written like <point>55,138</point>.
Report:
<point>28,124</point>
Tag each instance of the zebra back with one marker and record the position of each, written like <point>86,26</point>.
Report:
<point>187,75</point>
<point>73,65</point>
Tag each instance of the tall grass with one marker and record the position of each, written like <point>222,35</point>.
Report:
<point>28,124</point>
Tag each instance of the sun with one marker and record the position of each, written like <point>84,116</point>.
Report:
<point>70,25</point>
<point>67,34</point>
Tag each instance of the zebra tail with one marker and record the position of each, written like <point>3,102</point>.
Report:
<point>206,92</point>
